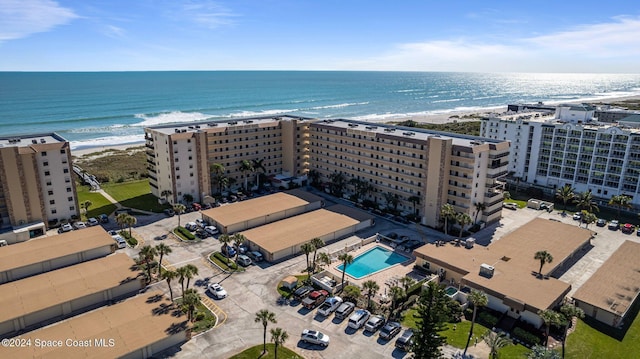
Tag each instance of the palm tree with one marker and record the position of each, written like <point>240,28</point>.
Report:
<point>324,259</point>
<point>169,275</point>
<point>397,294</point>
<point>147,254</point>
<point>307,248</point>
<point>130,221</point>
<point>351,293</point>
<point>549,317</point>
<point>478,299</point>
<point>278,337</point>
<point>565,193</point>
<point>192,271</point>
<point>480,208</point>
<point>166,193</point>
<point>314,178</point>
<point>246,166</point>
<point>121,220</point>
<point>495,342</point>
<point>337,180</point>
<point>190,301</point>
<point>543,257</point>
<point>415,200</point>
<point>620,201</point>
<point>225,239</point>
<point>463,220</point>
<point>86,204</point>
<point>568,311</point>
<point>588,218</point>
<point>187,197</point>
<point>265,317</point>
<point>506,195</point>
<point>370,288</point>
<point>392,200</point>
<point>447,212</point>
<point>162,250</point>
<point>217,175</point>
<point>258,168</point>
<point>238,239</point>
<point>317,244</point>
<point>585,201</point>
<point>406,283</point>
<point>179,208</point>
<point>183,272</point>
<point>346,259</point>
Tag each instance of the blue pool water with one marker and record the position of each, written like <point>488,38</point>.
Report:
<point>372,261</point>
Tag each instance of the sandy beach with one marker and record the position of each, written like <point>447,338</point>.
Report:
<point>430,118</point>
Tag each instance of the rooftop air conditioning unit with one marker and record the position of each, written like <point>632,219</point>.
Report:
<point>486,270</point>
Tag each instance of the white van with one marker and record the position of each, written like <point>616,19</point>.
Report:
<point>122,243</point>
<point>357,320</point>
<point>191,226</point>
<point>244,260</point>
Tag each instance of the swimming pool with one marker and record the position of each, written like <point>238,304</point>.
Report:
<point>372,261</point>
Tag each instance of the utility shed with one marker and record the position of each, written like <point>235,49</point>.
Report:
<point>239,216</point>
<point>45,254</point>
<point>37,300</point>
<point>139,327</point>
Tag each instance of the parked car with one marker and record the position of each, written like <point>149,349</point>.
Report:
<point>302,292</point>
<point>601,222</point>
<point>405,341</point>
<point>628,228</point>
<point>329,306</point>
<point>103,218</point>
<point>244,260</point>
<point>196,206</point>
<point>357,319</point>
<point>79,225</point>
<point>577,216</point>
<point>228,251</point>
<point>201,223</point>
<point>314,337</point>
<point>374,323</point>
<point>202,234</point>
<point>217,291</point>
<point>191,226</point>
<point>390,330</point>
<point>512,206</point>
<point>344,310</point>
<point>92,222</point>
<point>122,243</point>
<point>242,248</point>
<point>314,299</point>
<point>169,212</point>
<point>614,225</point>
<point>256,256</point>
<point>212,230</point>
<point>65,228</point>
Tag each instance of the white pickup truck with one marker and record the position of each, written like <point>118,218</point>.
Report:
<point>329,306</point>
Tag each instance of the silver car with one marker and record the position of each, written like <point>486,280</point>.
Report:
<point>314,337</point>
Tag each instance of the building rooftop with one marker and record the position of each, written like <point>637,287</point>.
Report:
<point>286,233</point>
<point>512,258</point>
<point>31,139</point>
<point>232,213</point>
<point>378,129</point>
<point>132,324</point>
<point>36,293</point>
<point>43,249</point>
<point>616,284</point>
<point>216,125</point>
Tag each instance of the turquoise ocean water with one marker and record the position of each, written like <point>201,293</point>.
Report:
<point>110,108</point>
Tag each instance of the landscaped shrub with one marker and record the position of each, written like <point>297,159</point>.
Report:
<point>185,233</point>
<point>526,337</point>
<point>130,240</point>
<point>487,319</point>
<point>229,263</point>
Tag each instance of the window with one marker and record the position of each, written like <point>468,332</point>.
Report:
<point>45,163</point>
<point>70,199</point>
<point>68,189</point>
<point>63,151</point>
<point>44,153</point>
<point>53,211</point>
<point>72,208</point>
<point>66,170</point>
<point>47,173</point>
<point>50,193</point>
<point>52,202</point>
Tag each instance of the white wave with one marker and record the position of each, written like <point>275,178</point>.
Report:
<point>107,141</point>
<point>243,114</point>
<point>341,105</point>
<point>170,117</point>
<point>449,100</point>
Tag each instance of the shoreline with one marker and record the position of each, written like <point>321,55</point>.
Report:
<point>422,118</point>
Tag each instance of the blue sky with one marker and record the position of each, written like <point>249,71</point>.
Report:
<point>404,35</point>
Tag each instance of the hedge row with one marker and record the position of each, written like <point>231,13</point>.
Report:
<point>185,233</point>
<point>219,256</point>
<point>526,337</point>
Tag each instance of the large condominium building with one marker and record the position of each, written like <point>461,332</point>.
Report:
<point>413,170</point>
<point>185,158</point>
<point>570,147</point>
<point>36,185</point>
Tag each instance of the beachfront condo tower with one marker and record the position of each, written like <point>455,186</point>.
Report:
<point>36,185</point>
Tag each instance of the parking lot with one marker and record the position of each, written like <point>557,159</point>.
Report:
<point>255,289</point>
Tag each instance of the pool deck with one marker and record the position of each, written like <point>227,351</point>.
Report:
<point>385,278</point>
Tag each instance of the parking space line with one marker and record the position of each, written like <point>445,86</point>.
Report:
<point>207,302</point>
<point>187,261</point>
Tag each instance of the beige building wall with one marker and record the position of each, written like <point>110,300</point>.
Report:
<point>438,172</point>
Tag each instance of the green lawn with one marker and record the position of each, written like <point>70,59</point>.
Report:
<point>256,352</point>
<point>458,337</point>
<point>134,194</point>
<point>595,340</point>
<point>99,204</point>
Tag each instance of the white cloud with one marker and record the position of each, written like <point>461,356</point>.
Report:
<point>114,31</point>
<point>208,14</point>
<point>21,18</point>
<point>579,49</point>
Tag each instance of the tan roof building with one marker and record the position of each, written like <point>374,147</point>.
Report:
<point>507,271</point>
<point>255,212</point>
<point>283,238</point>
<point>44,254</point>
<point>36,300</point>
<point>136,328</point>
<point>613,288</point>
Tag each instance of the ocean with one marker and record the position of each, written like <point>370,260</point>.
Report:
<point>93,109</point>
